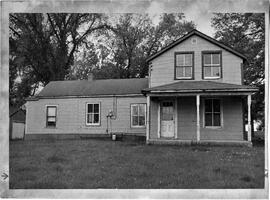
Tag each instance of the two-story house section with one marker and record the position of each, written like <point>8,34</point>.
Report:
<point>196,94</point>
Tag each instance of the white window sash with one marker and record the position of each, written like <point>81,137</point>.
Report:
<point>211,60</point>
<point>211,65</point>
<point>185,65</point>
<point>138,115</point>
<point>212,114</point>
<point>93,114</point>
<point>51,116</point>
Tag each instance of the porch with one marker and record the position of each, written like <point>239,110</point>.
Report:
<point>186,116</point>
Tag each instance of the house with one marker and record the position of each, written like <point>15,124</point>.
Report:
<point>194,94</point>
<point>16,122</point>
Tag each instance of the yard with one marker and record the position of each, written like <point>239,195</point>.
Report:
<point>86,164</point>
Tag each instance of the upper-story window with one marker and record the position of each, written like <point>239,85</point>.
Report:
<point>211,62</point>
<point>184,64</point>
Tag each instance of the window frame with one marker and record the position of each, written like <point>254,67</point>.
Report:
<point>220,65</point>
<point>192,67</point>
<point>56,108</point>
<point>137,126</point>
<point>99,114</point>
<point>221,114</point>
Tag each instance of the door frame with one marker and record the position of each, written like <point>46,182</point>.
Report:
<point>175,117</point>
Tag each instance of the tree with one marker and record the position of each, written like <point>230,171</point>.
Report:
<point>246,33</point>
<point>42,46</point>
<point>86,60</point>
<point>131,38</point>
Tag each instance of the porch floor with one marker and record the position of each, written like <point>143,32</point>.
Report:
<point>173,141</point>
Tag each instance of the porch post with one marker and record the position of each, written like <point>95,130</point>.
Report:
<point>175,118</point>
<point>147,119</point>
<point>198,116</point>
<point>159,110</point>
<point>249,117</point>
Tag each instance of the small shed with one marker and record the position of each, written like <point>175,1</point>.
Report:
<point>17,123</point>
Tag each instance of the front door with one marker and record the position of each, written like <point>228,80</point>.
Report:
<point>167,119</point>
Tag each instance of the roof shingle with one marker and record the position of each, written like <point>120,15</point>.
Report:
<point>95,87</point>
<point>191,86</point>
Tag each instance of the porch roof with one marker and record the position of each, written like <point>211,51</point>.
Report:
<point>199,87</point>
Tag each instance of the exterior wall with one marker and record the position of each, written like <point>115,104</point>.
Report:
<point>71,116</point>
<point>154,107</point>
<point>232,128</point>
<point>232,121</point>
<point>186,118</point>
<point>17,130</point>
<point>163,66</point>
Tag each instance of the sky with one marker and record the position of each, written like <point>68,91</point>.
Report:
<point>198,13</point>
<point>203,22</point>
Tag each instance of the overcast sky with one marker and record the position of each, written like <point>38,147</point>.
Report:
<point>199,11</point>
<point>203,22</point>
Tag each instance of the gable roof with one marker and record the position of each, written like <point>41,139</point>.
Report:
<point>198,33</point>
<point>93,88</point>
<point>200,86</point>
<point>17,114</point>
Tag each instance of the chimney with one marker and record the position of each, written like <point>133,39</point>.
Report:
<point>90,77</point>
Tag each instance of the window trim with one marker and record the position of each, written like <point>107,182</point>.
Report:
<point>221,114</point>
<point>211,52</point>
<point>138,126</point>
<point>86,113</point>
<point>192,67</point>
<point>46,111</point>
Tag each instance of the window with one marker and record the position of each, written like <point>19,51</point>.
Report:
<point>138,112</point>
<point>184,65</point>
<point>51,116</point>
<point>93,114</point>
<point>212,113</point>
<point>167,111</point>
<point>211,65</point>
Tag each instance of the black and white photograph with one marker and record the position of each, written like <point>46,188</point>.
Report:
<point>143,99</point>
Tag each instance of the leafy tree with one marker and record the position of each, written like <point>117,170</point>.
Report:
<point>85,62</point>
<point>245,32</point>
<point>42,46</point>
<point>47,47</point>
<point>131,38</point>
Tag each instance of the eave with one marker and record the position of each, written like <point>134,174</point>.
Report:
<point>198,33</point>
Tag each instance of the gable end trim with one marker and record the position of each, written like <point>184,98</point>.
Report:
<point>202,35</point>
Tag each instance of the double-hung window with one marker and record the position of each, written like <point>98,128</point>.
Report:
<point>51,116</point>
<point>211,65</point>
<point>93,114</point>
<point>184,65</point>
<point>138,113</point>
<point>212,113</point>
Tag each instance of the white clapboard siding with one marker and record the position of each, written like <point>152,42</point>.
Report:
<point>232,128</point>
<point>17,130</point>
<point>71,116</point>
<point>163,66</point>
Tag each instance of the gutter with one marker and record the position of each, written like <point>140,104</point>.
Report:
<point>201,90</point>
<point>87,96</point>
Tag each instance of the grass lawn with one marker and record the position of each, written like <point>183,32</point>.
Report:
<point>86,164</point>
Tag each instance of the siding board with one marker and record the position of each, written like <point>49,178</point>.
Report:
<point>71,116</point>
<point>163,66</point>
<point>232,120</point>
